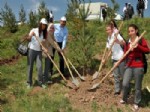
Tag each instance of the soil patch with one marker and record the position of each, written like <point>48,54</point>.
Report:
<point>10,60</point>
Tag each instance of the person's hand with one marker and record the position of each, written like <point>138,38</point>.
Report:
<point>45,50</point>
<point>133,46</point>
<point>103,61</point>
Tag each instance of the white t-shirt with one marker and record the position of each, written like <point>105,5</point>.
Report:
<point>34,44</point>
<point>117,51</point>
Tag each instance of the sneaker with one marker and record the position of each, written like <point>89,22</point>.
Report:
<point>44,86</point>
<point>135,108</point>
<point>117,93</point>
<point>49,82</point>
<point>122,102</point>
<point>29,86</point>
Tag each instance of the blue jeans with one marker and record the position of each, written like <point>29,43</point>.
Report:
<point>137,74</point>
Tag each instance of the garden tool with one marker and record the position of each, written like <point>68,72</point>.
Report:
<point>117,63</point>
<point>81,77</point>
<point>74,80</point>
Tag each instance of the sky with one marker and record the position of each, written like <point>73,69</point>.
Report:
<point>59,7</point>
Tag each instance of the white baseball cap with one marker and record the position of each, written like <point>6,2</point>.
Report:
<point>43,21</point>
<point>63,18</point>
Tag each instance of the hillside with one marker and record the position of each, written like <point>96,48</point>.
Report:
<point>15,97</point>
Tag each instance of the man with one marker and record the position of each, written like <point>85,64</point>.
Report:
<point>140,8</point>
<point>60,35</point>
<point>126,16</point>
<point>130,10</point>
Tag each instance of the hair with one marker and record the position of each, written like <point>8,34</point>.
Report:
<point>114,23</point>
<point>44,31</point>
<point>135,27</point>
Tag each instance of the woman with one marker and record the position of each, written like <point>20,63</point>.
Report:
<point>117,53</point>
<point>49,44</point>
<point>134,65</point>
<point>35,51</point>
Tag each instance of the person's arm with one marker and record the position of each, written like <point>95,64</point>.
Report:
<point>29,37</point>
<point>52,42</point>
<point>143,46</point>
<point>65,39</point>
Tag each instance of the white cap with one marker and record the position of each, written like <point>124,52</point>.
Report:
<point>43,21</point>
<point>63,18</point>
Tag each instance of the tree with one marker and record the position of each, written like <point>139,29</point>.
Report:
<point>33,20</point>
<point>82,34</point>
<point>22,14</point>
<point>112,10</point>
<point>42,11</point>
<point>9,19</point>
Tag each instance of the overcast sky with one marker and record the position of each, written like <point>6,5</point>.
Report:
<point>59,7</point>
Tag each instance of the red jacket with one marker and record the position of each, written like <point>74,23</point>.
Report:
<point>135,57</point>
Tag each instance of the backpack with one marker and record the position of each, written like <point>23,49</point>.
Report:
<point>141,4</point>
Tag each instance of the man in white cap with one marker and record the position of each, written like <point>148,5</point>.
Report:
<point>60,35</point>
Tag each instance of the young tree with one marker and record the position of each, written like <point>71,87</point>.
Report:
<point>22,14</point>
<point>9,19</point>
<point>112,10</point>
<point>42,10</point>
<point>83,35</point>
<point>33,20</point>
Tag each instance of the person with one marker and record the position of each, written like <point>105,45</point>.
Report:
<point>49,44</point>
<point>35,51</point>
<point>117,53</point>
<point>140,8</point>
<point>130,10</point>
<point>134,65</point>
<point>60,36</point>
<point>104,13</point>
<point>51,19</point>
<point>125,12</point>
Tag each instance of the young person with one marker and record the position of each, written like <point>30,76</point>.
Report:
<point>117,53</point>
<point>49,44</point>
<point>134,65</point>
<point>35,51</point>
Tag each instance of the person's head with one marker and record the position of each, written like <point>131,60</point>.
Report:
<point>109,29</point>
<point>112,21</point>
<point>126,4</point>
<point>51,28</point>
<point>63,21</point>
<point>133,30</point>
<point>43,27</point>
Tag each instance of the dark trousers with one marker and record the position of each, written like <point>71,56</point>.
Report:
<point>61,60</point>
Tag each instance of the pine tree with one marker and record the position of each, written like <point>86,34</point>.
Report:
<point>9,19</point>
<point>22,14</point>
<point>42,11</point>
<point>33,20</point>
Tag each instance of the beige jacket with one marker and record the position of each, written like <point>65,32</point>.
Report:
<point>49,44</point>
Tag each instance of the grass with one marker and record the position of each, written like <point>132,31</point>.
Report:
<point>15,96</point>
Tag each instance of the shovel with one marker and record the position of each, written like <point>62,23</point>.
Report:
<point>96,74</point>
<point>50,58</point>
<point>74,80</point>
<point>81,77</point>
<point>116,64</point>
<point>68,82</point>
